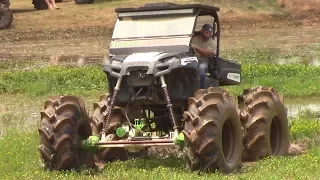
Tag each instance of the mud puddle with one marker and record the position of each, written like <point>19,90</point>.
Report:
<point>46,49</point>
<point>296,105</point>
<point>63,60</point>
<point>23,113</point>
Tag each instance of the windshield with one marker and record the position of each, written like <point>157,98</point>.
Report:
<point>153,27</point>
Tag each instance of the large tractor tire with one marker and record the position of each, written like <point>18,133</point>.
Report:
<point>40,4</point>
<point>212,130</point>
<point>117,118</point>
<point>264,118</point>
<point>5,3</point>
<point>6,17</point>
<point>83,1</point>
<point>64,123</point>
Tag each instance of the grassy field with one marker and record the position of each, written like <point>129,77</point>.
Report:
<point>292,80</point>
<point>20,159</point>
<point>19,141</point>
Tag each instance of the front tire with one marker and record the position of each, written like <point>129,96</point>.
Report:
<point>116,120</point>
<point>84,1</point>
<point>212,130</point>
<point>64,123</point>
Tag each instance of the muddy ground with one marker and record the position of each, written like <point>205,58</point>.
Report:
<point>95,43</point>
<point>65,35</point>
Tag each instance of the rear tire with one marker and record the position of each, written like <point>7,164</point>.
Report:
<point>212,130</point>
<point>40,4</point>
<point>64,123</point>
<point>6,17</point>
<point>83,1</point>
<point>90,1</point>
<point>265,123</point>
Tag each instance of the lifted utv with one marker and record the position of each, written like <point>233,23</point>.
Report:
<point>155,100</point>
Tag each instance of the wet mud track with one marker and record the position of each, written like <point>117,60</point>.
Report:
<point>80,46</point>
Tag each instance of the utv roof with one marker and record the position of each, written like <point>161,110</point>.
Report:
<point>202,9</point>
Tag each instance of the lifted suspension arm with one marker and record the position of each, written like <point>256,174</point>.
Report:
<point>169,106</point>
<point>111,108</point>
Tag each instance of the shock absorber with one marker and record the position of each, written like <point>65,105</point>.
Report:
<point>110,108</point>
<point>169,106</point>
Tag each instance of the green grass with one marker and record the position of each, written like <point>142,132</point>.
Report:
<point>54,80</point>
<point>292,80</point>
<point>302,167</point>
<point>306,54</point>
<point>305,126</point>
<point>261,56</point>
<point>20,159</point>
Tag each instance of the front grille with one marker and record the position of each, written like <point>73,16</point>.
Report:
<point>140,78</point>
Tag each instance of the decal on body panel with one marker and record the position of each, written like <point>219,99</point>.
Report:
<point>234,77</point>
<point>185,61</point>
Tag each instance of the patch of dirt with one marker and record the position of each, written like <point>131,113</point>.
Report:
<point>254,21</point>
<point>54,34</point>
<point>302,146</point>
<point>245,25</point>
<point>98,19</point>
<point>305,11</point>
<point>297,149</point>
<point>52,52</point>
<point>165,152</point>
<point>294,13</point>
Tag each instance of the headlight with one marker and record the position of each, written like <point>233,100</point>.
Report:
<point>116,62</point>
<point>171,60</point>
